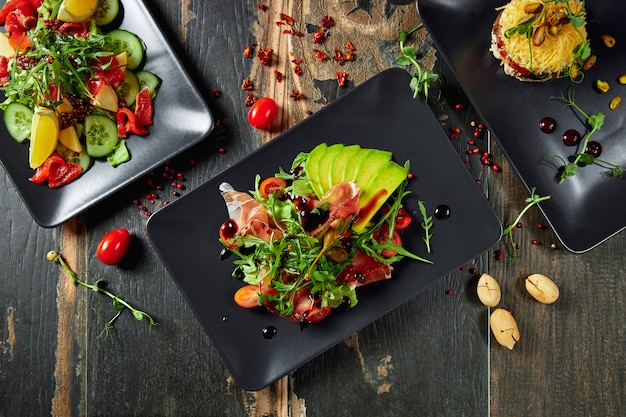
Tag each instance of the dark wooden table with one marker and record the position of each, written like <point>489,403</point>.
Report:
<point>433,356</point>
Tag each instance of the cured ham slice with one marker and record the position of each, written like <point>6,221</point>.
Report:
<point>343,202</point>
<point>364,270</point>
<point>249,215</point>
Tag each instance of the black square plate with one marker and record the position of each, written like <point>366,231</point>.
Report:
<point>588,208</point>
<point>380,113</point>
<point>181,119</point>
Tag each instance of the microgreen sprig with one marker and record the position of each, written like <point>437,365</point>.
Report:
<point>118,303</point>
<point>531,201</point>
<point>422,78</point>
<point>427,224</point>
<point>595,122</point>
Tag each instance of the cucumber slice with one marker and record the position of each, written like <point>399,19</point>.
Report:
<point>107,12</point>
<point>80,158</point>
<point>130,43</point>
<point>128,88</point>
<point>100,135</point>
<point>18,119</point>
<point>149,81</point>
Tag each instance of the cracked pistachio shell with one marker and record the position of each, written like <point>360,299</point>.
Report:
<point>542,288</point>
<point>488,290</point>
<point>504,328</point>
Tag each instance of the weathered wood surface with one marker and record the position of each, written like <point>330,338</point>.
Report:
<point>433,356</point>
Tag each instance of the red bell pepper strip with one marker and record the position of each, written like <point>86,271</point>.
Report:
<point>56,171</point>
<point>109,69</point>
<point>143,108</point>
<point>126,123</point>
<point>4,70</point>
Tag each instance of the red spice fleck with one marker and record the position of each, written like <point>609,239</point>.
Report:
<point>520,225</point>
<point>349,56</point>
<point>292,31</point>
<point>319,35</point>
<point>463,268</point>
<point>449,292</point>
<point>498,255</point>
<point>328,22</point>
<point>458,106</point>
<point>280,23</point>
<point>320,55</point>
<point>296,95</point>
<point>249,51</point>
<point>339,57</point>
<point>265,55</point>
<point>278,75</point>
<point>262,7</point>
<point>471,142</point>
<point>296,68</point>
<point>341,78</point>
<point>535,242</point>
<point>215,93</point>
<point>286,18</point>
<point>221,149</point>
<point>540,226</point>
<point>247,84</point>
<point>473,271</point>
<point>250,100</point>
<point>452,136</point>
<point>350,46</point>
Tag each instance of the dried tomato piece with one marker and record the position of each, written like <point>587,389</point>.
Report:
<point>296,95</point>
<point>278,75</point>
<point>349,56</point>
<point>292,31</point>
<point>261,6</point>
<point>350,46</point>
<point>339,57</point>
<point>265,55</point>
<point>250,99</point>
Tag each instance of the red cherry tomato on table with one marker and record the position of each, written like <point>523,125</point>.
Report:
<point>272,185</point>
<point>262,113</point>
<point>113,246</point>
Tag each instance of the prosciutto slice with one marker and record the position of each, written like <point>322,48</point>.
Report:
<point>249,215</point>
<point>364,270</point>
<point>343,202</point>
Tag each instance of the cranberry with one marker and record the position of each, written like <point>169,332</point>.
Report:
<point>571,137</point>
<point>593,148</point>
<point>547,125</point>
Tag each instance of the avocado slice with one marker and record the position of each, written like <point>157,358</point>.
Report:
<point>369,165</point>
<point>323,166</point>
<point>311,166</point>
<point>339,162</point>
<point>379,188</point>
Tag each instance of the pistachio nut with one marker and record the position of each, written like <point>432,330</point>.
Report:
<point>488,290</point>
<point>504,328</point>
<point>542,288</point>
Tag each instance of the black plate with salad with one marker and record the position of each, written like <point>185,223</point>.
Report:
<point>586,209</point>
<point>260,347</point>
<point>92,102</point>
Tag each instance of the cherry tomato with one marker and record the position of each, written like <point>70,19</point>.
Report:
<point>317,313</point>
<point>113,246</point>
<point>247,296</point>
<point>272,185</point>
<point>382,236</point>
<point>403,219</point>
<point>262,113</point>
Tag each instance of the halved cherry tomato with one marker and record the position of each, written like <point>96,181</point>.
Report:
<point>262,113</point>
<point>403,219</point>
<point>317,313</point>
<point>272,185</point>
<point>247,296</point>
<point>113,246</point>
<point>382,236</point>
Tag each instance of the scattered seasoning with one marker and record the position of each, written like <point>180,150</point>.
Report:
<point>341,78</point>
<point>319,36</point>
<point>247,84</point>
<point>328,22</point>
<point>278,75</point>
<point>262,7</point>
<point>287,19</point>
<point>339,57</point>
<point>250,100</point>
<point>293,32</point>
<point>215,93</point>
<point>249,51</point>
<point>296,95</point>
<point>265,55</point>
<point>320,55</point>
<point>458,106</point>
<point>350,46</point>
<point>297,69</point>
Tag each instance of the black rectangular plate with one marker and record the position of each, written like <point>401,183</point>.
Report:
<point>181,119</point>
<point>382,114</point>
<point>586,209</point>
